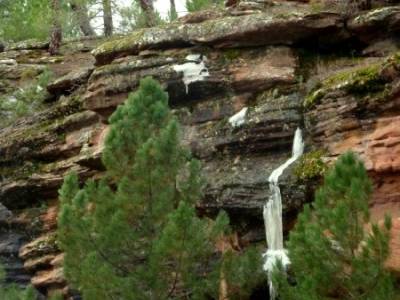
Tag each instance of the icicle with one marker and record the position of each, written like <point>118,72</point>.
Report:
<point>194,69</point>
<point>238,119</point>
<point>272,214</point>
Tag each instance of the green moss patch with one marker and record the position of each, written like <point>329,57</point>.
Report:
<point>231,54</point>
<point>314,97</point>
<point>360,82</point>
<point>119,45</point>
<point>311,166</point>
<point>364,83</point>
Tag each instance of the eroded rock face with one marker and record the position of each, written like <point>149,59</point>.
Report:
<point>230,71</point>
<point>363,116</point>
<point>213,67</point>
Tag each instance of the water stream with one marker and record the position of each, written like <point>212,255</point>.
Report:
<point>272,214</point>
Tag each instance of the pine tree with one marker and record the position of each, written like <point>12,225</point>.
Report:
<point>173,14</point>
<point>81,11</point>
<point>147,7</point>
<point>196,5</point>
<point>134,234</point>
<point>133,17</point>
<point>334,254</point>
<point>108,18</point>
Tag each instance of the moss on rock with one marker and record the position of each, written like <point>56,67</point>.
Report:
<point>363,83</point>
<point>231,54</point>
<point>119,45</point>
<point>311,166</point>
<point>314,97</point>
<point>360,82</point>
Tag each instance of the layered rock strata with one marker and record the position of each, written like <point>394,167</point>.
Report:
<point>252,67</point>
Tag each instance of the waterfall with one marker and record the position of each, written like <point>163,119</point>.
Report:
<point>272,214</point>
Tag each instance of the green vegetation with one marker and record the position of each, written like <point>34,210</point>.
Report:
<point>26,19</point>
<point>231,54</point>
<point>316,6</point>
<point>13,292</point>
<point>360,82</point>
<point>25,100</point>
<point>311,166</point>
<point>333,254</point>
<point>134,234</point>
<point>133,18</point>
<point>314,97</point>
<point>23,19</point>
<point>196,5</point>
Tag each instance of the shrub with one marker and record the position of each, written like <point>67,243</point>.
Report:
<point>25,100</point>
<point>196,5</point>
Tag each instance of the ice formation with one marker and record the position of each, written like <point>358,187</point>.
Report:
<point>194,69</point>
<point>239,118</point>
<point>273,215</point>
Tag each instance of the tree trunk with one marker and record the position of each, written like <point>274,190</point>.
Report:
<point>172,11</point>
<point>82,15</point>
<point>148,9</point>
<point>56,31</point>
<point>107,17</point>
<point>223,245</point>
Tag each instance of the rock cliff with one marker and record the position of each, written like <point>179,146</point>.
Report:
<point>273,68</point>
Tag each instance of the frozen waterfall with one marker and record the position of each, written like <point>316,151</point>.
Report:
<point>273,214</point>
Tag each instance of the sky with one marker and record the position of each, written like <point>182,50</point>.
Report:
<point>163,6</point>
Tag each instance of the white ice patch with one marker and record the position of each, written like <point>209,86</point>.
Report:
<point>8,62</point>
<point>12,99</point>
<point>272,214</point>
<point>194,69</point>
<point>273,256</point>
<point>238,119</point>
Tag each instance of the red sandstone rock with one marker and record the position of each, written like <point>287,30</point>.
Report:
<point>52,277</point>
